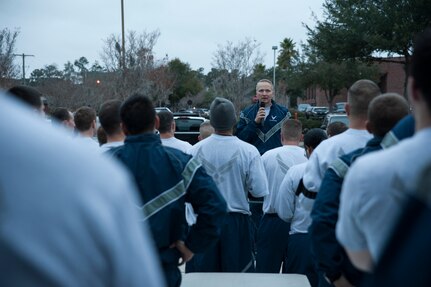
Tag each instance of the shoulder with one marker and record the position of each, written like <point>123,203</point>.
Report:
<point>269,154</point>
<point>279,109</point>
<point>248,110</point>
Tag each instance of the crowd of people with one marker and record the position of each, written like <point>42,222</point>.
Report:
<point>128,210</point>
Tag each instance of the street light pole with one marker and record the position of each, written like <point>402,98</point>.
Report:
<point>273,72</point>
<point>123,48</point>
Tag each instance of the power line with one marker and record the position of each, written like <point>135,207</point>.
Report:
<point>23,64</point>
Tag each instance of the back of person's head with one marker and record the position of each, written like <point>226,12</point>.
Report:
<point>385,111</point>
<point>314,137</point>
<point>359,97</point>
<point>166,119</point>
<point>222,114</point>
<point>61,114</point>
<point>109,117</point>
<point>205,130</point>
<point>291,130</point>
<point>420,67</point>
<point>336,128</point>
<point>138,114</point>
<point>84,118</point>
<point>27,95</point>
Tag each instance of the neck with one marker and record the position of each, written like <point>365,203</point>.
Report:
<point>224,133</point>
<point>115,138</point>
<point>87,134</point>
<point>290,142</point>
<point>167,135</point>
<point>357,123</point>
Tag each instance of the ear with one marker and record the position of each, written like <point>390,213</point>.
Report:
<point>124,129</point>
<point>93,124</point>
<point>413,91</point>
<point>347,108</point>
<point>173,125</point>
<point>369,126</point>
<point>157,123</point>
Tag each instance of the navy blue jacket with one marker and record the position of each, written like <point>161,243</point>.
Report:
<point>166,179</point>
<point>330,257</point>
<point>264,136</point>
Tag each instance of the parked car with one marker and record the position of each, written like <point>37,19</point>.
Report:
<point>340,108</point>
<point>159,109</point>
<point>308,111</point>
<point>187,127</point>
<point>303,107</point>
<point>330,118</point>
<point>318,112</point>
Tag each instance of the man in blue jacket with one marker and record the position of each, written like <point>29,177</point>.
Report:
<point>167,178</point>
<point>260,124</point>
<point>383,113</point>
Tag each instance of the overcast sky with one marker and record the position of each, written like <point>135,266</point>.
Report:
<point>59,31</point>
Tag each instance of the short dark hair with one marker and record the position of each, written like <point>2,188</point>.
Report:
<point>291,129</point>
<point>84,117</point>
<point>28,95</point>
<point>420,68</point>
<point>166,119</point>
<point>360,95</point>
<point>336,128</point>
<point>138,114</point>
<point>61,114</point>
<point>386,111</point>
<point>314,137</point>
<point>109,117</point>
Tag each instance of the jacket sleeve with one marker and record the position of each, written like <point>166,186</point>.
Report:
<point>210,206</point>
<point>246,129</point>
<point>328,253</point>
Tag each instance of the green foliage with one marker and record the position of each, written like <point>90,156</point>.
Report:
<point>288,54</point>
<point>187,82</point>
<point>360,28</point>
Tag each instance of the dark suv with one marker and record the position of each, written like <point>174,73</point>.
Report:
<point>187,127</point>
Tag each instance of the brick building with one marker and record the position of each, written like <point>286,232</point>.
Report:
<point>392,78</point>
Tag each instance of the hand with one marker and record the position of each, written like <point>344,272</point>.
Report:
<point>260,115</point>
<point>186,254</point>
<point>342,282</point>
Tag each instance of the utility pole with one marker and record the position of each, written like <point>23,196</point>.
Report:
<point>23,64</point>
<point>123,45</point>
<point>273,70</point>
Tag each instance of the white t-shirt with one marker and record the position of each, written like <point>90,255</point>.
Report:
<point>374,191</point>
<point>67,212</point>
<point>176,143</point>
<point>277,162</point>
<point>328,151</point>
<point>88,143</point>
<point>292,208</point>
<point>107,146</point>
<point>236,168</point>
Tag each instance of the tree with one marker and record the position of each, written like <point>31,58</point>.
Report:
<point>366,29</point>
<point>81,64</point>
<point>7,48</point>
<point>287,54</point>
<point>139,50</point>
<point>139,63</point>
<point>235,64</point>
<point>186,81</point>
